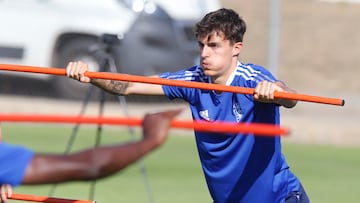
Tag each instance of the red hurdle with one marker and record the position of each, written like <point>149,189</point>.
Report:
<point>216,127</point>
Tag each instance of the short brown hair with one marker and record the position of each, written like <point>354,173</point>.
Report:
<point>225,21</point>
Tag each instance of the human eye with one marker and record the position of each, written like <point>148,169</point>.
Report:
<point>213,45</point>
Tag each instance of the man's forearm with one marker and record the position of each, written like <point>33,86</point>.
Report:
<point>288,103</point>
<point>89,164</point>
<point>111,86</point>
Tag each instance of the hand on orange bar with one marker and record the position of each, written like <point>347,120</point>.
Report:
<point>5,192</point>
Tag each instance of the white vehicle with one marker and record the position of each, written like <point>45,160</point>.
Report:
<point>156,36</point>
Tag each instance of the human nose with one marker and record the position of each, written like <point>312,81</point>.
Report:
<point>204,51</point>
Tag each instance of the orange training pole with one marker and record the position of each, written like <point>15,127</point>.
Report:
<point>162,81</point>
<point>227,127</point>
<point>34,198</point>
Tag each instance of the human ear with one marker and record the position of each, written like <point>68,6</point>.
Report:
<point>237,48</point>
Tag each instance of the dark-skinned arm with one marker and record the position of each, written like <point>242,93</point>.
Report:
<point>101,161</point>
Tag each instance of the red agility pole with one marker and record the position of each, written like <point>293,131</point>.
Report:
<point>227,127</point>
<point>162,81</point>
<point>34,198</point>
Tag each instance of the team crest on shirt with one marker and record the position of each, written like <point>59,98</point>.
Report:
<point>237,111</point>
<point>204,115</point>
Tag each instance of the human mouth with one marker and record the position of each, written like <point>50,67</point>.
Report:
<point>205,65</point>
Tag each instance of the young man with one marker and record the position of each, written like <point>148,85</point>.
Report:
<point>237,167</point>
<point>30,168</point>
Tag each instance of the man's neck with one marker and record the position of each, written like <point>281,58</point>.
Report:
<point>222,79</point>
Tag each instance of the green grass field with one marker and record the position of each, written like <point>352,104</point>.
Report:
<point>173,173</point>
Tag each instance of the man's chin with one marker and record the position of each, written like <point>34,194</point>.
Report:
<point>209,73</point>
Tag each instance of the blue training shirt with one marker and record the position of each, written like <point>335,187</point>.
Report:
<point>14,160</point>
<point>237,167</point>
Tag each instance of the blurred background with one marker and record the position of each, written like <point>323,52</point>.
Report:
<point>312,45</point>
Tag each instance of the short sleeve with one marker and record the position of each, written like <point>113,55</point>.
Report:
<point>14,160</point>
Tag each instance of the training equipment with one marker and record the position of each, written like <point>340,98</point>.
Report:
<point>216,127</point>
<point>162,81</point>
<point>34,198</point>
